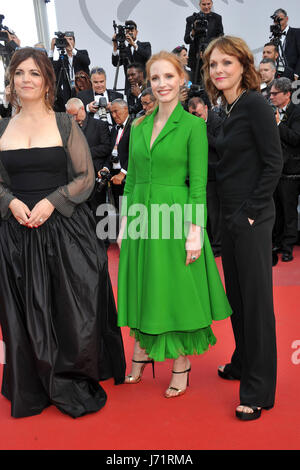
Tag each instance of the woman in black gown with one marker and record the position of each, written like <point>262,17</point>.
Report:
<point>57,310</point>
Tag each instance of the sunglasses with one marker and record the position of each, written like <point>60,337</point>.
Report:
<point>97,70</point>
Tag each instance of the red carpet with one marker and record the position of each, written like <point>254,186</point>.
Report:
<point>139,417</point>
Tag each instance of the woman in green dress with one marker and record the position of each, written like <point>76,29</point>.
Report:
<point>169,288</point>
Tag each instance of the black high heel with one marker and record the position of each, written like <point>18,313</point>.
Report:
<point>256,412</point>
<point>226,374</point>
<point>130,379</point>
<point>178,390</point>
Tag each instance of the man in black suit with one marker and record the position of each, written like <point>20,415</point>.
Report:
<point>90,98</point>
<point>66,68</point>
<point>197,106</point>
<point>98,137</point>
<point>288,190</point>
<point>290,41</point>
<point>270,51</point>
<point>136,78</point>
<point>135,51</point>
<point>214,29</point>
<point>120,134</point>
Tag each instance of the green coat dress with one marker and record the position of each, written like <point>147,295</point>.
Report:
<point>168,306</point>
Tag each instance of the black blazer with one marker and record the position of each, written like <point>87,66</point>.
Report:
<point>98,137</point>
<point>87,96</point>
<point>141,56</point>
<point>81,61</point>
<point>213,126</point>
<point>215,29</point>
<point>289,130</point>
<point>123,147</point>
<point>292,49</point>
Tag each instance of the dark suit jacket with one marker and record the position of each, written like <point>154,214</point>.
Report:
<point>215,29</point>
<point>81,61</point>
<point>141,56</point>
<point>292,49</point>
<point>123,147</point>
<point>213,126</point>
<point>87,96</point>
<point>289,130</point>
<point>98,137</point>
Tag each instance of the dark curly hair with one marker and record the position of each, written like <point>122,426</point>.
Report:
<point>235,47</point>
<point>46,69</point>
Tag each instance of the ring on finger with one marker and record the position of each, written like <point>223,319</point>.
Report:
<point>193,258</point>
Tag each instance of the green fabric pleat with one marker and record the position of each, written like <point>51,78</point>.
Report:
<point>173,344</point>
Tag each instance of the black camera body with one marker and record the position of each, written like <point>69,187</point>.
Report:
<point>275,30</point>
<point>120,32</point>
<point>61,43</point>
<point>200,24</point>
<point>101,105</point>
<point>3,30</point>
<point>106,176</point>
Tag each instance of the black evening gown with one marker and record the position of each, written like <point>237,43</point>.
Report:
<point>57,311</point>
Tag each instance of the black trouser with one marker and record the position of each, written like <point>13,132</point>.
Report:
<point>117,190</point>
<point>213,216</point>
<point>288,191</point>
<point>247,264</point>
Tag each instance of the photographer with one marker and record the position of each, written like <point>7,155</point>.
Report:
<point>289,40</point>
<point>199,108</point>
<point>136,79</point>
<point>135,51</point>
<point>199,36</point>
<point>71,61</point>
<point>120,148</point>
<point>287,192</point>
<point>90,98</point>
<point>267,71</point>
<point>9,42</point>
<point>270,51</point>
<point>98,137</point>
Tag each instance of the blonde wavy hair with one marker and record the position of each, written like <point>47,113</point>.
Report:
<point>238,48</point>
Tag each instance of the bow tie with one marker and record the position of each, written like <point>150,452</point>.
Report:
<point>99,94</point>
<point>283,34</point>
<point>120,127</point>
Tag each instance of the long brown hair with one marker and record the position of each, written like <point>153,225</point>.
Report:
<point>235,47</point>
<point>47,72</point>
<point>162,55</point>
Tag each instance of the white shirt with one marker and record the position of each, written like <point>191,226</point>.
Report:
<point>117,166</point>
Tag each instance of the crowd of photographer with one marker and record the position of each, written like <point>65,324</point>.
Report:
<point>105,115</point>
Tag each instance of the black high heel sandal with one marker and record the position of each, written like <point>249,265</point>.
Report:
<point>178,390</point>
<point>255,414</point>
<point>226,374</point>
<point>130,379</point>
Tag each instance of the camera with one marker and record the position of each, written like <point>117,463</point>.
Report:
<point>200,24</point>
<point>102,182</point>
<point>121,31</point>
<point>60,42</point>
<point>275,30</point>
<point>101,104</point>
<point>114,156</point>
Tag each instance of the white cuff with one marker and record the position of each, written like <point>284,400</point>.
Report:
<point>123,171</point>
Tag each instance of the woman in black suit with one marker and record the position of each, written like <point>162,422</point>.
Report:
<point>248,172</point>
